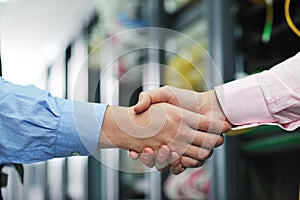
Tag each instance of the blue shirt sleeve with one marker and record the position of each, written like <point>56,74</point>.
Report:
<point>35,126</point>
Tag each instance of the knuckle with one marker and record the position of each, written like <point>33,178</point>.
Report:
<point>205,125</point>
<point>142,94</point>
<point>208,124</point>
<point>173,137</point>
<point>166,87</point>
<point>204,154</point>
<point>211,140</point>
<point>177,117</point>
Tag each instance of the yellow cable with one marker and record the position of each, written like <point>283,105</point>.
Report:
<point>288,18</point>
<point>299,192</point>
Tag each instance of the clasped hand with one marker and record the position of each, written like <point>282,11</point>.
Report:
<point>213,124</point>
<point>168,127</point>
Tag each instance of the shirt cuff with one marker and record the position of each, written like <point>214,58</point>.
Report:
<point>243,101</point>
<point>79,129</point>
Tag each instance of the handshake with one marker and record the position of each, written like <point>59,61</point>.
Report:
<point>169,128</point>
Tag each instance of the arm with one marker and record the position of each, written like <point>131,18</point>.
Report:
<point>36,126</point>
<point>272,96</point>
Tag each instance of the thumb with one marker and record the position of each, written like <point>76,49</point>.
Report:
<point>143,104</point>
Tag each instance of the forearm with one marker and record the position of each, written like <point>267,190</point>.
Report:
<point>272,96</point>
<point>111,135</point>
<point>43,127</point>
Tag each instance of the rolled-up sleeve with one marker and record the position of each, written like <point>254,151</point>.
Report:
<point>36,126</point>
<point>272,96</point>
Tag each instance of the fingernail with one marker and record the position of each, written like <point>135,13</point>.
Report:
<point>163,151</point>
<point>131,156</point>
<point>147,153</point>
<point>147,150</point>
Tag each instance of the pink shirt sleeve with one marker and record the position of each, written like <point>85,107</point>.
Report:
<point>270,97</point>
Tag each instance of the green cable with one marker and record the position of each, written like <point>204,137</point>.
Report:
<point>266,36</point>
<point>285,140</point>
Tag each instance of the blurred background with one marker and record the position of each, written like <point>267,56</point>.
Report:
<point>57,46</point>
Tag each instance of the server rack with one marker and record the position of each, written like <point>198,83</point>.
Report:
<point>245,166</point>
<point>266,157</point>
<point>218,35</point>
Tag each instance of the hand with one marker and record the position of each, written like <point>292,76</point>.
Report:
<point>164,159</point>
<point>206,103</point>
<point>177,128</point>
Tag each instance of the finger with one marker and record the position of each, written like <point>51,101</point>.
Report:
<point>163,158</point>
<point>176,166</point>
<point>143,103</point>
<point>162,169</point>
<point>177,171</point>
<point>207,140</point>
<point>147,157</point>
<point>197,153</point>
<point>226,127</point>
<point>204,123</point>
<point>189,162</point>
<point>147,98</point>
<point>203,139</point>
<point>133,155</point>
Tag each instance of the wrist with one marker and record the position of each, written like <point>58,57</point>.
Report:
<point>209,105</point>
<point>106,130</point>
<point>217,106</point>
<point>116,129</point>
